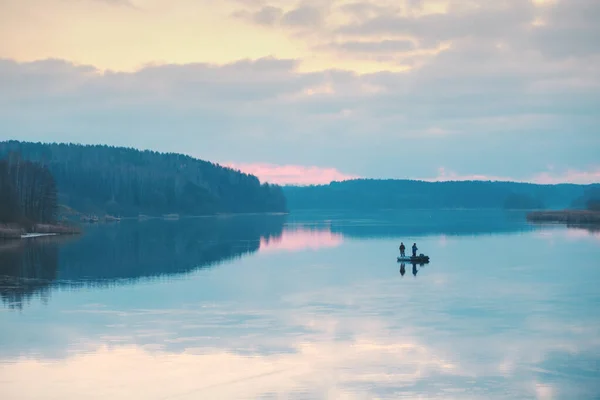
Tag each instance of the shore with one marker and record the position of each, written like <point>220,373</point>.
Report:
<point>565,216</point>
<point>14,231</point>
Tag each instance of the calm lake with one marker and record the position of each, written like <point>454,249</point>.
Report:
<point>304,306</point>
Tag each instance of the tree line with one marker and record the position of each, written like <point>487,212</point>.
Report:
<point>590,199</point>
<point>127,182</point>
<point>28,193</point>
<point>367,194</point>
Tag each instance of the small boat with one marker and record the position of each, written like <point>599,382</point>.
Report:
<point>420,259</point>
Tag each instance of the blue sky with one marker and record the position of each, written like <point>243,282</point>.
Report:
<point>311,91</point>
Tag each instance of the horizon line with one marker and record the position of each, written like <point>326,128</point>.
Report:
<point>230,166</point>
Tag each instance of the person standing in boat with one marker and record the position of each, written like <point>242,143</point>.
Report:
<point>402,248</point>
<point>414,249</point>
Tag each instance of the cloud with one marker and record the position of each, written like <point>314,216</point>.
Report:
<point>127,3</point>
<point>444,176</point>
<point>379,89</point>
<point>267,15</point>
<point>383,46</point>
<point>304,16</point>
<point>266,111</point>
<point>544,178</point>
<point>567,29</point>
<point>292,174</point>
<point>484,19</point>
<point>303,175</point>
<point>571,176</point>
<point>553,29</point>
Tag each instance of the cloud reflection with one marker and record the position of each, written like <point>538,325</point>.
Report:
<point>301,238</point>
<point>570,234</point>
<point>485,328</point>
<point>319,369</point>
<point>338,343</point>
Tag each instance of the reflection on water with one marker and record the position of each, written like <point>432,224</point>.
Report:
<point>415,223</point>
<point>26,268</point>
<point>305,307</point>
<point>299,238</point>
<point>129,251</point>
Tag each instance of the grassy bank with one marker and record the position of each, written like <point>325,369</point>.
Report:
<point>60,229</point>
<point>566,216</point>
<point>14,231</point>
<point>10,231</point>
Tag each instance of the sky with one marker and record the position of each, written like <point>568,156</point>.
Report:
<point>313,91</point>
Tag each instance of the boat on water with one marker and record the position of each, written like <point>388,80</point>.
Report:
<point>420,259</point>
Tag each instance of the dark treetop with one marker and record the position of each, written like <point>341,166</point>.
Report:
<point>27,192</point>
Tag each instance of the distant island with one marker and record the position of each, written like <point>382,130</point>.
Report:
<point>371,194</point>
<point>95,180</point>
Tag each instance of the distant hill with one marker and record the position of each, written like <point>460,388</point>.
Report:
<point>124,181</point>
<point>366,194</point>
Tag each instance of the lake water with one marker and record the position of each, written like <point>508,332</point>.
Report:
<point>305,306</point>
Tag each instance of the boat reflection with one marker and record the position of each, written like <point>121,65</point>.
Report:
<point>415,270</point>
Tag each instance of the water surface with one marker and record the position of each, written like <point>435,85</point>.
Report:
<point>306,306</point>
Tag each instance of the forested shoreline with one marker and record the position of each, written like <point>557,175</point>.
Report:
<point>28,192</point>
<point>28,196</point>
<point>590,215</point>
<point>377,194</point>
<point>84,180</point>
<point>96,179</point>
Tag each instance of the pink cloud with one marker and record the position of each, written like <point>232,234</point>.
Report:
<point>312,175</point>
<point>292,174</point>
<point>447,175</point>
<point>300,239</point>
<point>570,176</point>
